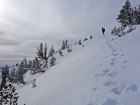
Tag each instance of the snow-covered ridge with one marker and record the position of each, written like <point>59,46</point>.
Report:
<point>103,72</point>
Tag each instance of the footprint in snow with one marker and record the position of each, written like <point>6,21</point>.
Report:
<point>112,74</point>
<point>125,62</point>
<point>105,56</point>
<point>113,59</point>
<point>96,75</point>
<point>124,67</point>
<point>122,55</point>
<point>112,63</point>
<point>119,89</point>
<point>110,102</point>
<point>114,50</point>
<point>90,104</point>
<point>115,54</point>
<point>133,88</point>
<point>94,88</point>
<point>109,83</point>
<point>104,72</point>
<point>101,64</point>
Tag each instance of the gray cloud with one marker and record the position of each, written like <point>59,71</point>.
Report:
<point>2,34</point>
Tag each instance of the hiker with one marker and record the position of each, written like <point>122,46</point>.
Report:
<point>103,30</point>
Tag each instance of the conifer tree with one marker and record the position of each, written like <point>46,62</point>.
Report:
<point>20,73</point>
<point>12,75</point>
<point>45,52</point>
<point>138,16</point>
<point>37,65</point>
<point>3,84</point>
<point>7,92</point>
<point>40,52</point>
<point>135,15</point>
<point>125,17</point>
<point>66,43</point>
<point>34,67</point>
<point>9,95</point>
<point>25,64</point>
<point>45,64</point>
<point>51,51</point>
<point>63,45</point>
<point>30,65</point>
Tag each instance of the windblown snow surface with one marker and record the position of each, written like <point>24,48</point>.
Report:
<point>106,71</point>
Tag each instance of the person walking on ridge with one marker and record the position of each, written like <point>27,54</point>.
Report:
<point>103,30</point>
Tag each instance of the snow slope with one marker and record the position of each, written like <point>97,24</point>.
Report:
<point>104,72</point>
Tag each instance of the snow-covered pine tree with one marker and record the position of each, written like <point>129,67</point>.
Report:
<point>63,45</point>
<point>46,64</point>
<point>34,71</point>
<point>3,84</point>
<point>30,65</point>
<point>45,52</point>
<point>40,52</point>
<point>25,64</point>
<point>66,43</point>
<point>33,83</point>
<point>135,15</point>
<point>52,61</point>
<point>79,42</point>
<point>60,52</point>
<point>9,95</point>
<point>20,73</point>
<point>138,11</point>
<point>37,65</point>
<point>51,51</point>
<point>125,17</point>
<point>7,92</point>
<point>12,75</point>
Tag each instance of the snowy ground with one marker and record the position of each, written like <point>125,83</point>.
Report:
<point>104,72</point>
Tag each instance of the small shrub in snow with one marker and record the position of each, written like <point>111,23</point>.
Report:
<point>85,39</point>
<point>69,48</point>
<point>51,51</point>
<point>52,61</point>
<point>33,83</point>
<point>118,31</point>
<point>60,52</point>
<point>79,42</point>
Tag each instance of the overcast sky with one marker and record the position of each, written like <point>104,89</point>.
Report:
<point>24,24</point>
